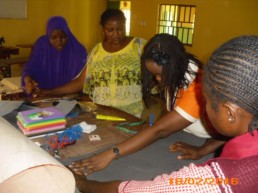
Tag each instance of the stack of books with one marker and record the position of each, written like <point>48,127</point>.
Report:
<point>41,121</point>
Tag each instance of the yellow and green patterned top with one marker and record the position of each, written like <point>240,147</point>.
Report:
<point>114,79</point>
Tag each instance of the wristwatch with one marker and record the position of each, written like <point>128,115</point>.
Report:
<point>116,152</point>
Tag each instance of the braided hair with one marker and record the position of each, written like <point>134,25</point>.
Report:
<point>167,51</point>
<point>231,75</point>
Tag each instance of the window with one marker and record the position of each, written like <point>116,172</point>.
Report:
<point>125,6</point>
<point>177,20</point>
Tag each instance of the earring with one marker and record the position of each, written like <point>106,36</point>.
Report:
<point>231,119</point>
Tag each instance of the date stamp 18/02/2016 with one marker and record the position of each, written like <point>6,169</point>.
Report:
<point>203,181</point>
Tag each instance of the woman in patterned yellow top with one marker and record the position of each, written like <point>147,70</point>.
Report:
<point>113,73</point>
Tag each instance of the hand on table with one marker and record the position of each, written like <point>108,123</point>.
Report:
<point>41,92</point>
<point>80,180</point>
<point>92,164</point>
<point>188,151</point>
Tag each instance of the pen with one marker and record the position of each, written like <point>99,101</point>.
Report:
<point>151,119</point>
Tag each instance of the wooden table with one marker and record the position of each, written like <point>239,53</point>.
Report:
<point>7,51</point>
<point>17,60</point>
<point>107,130</point>
<point>25,46</point>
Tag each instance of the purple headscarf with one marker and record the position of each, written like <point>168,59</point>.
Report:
<point>52,68</point>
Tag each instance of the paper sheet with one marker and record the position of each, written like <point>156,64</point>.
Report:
<point>8,106</point>
<point>66,106</point>
<point>22,160</point>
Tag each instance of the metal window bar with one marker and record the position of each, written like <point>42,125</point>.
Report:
<point>177,20</point>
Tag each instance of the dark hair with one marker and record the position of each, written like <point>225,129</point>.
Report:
<point>231,75</point>
<point>166,50</point>
<point>111,13</point>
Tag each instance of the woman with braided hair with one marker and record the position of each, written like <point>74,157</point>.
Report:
<point>178,73</point>
<point>179,76</point>
<point>230,87</point>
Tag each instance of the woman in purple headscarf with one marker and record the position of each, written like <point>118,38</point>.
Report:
<point>56,58</point>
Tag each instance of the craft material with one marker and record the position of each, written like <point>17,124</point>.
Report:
<point>66,106</point>
<point>40,131</point>
<point>122,126</point>
<point>65,138</point>
<point>56,142</point>
<point>88,106</point>
<point>73,114</point>
<point>10,89</point>
<point>94,138</point>
<point>109,118</point>
<point>85,127</point>
<point>40,121</point>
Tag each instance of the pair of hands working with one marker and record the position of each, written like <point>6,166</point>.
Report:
<point>161,129</point>
<point>102,160</point>
<point>31,87</point>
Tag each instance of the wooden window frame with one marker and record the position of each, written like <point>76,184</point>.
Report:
<point>177,20</point>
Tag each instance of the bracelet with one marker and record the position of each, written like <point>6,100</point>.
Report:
<point>116,152</point>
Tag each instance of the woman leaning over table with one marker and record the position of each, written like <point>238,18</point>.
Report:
<point>231,92</point>
<point>179,76</point>
<point>56,58</point>
<point>113,74</point>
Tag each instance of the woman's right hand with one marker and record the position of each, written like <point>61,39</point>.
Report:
<point>30,85</point>
<point>93,164</point>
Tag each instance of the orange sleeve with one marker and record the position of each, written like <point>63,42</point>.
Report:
<point>191,100</point>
